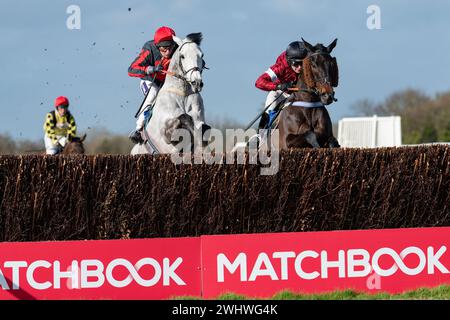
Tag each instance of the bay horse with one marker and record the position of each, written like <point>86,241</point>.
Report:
<point>75,146</point>
<point>304,121</point>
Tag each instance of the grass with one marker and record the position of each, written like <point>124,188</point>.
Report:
<point>437,293</point>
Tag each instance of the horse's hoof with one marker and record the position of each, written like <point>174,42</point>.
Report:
<point>136,137</point>
<point>205,131</point>
<point>333,143</point>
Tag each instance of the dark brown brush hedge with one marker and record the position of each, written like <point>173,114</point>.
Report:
<point>111,197</point>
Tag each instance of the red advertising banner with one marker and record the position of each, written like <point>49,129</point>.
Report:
<point>111,269</point>
<point>256,265</point>
<point>260,265</point>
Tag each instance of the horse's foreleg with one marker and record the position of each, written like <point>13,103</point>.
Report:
<point>323,127</point>
<point>169,128</point>
<point>196,111</point>
<point>311,138</point>
<point>182,122</point>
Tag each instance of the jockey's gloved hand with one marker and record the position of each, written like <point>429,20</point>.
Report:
<point>154,69</point>
<point>285,86</point>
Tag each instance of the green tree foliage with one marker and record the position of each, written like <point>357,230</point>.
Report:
<point>424,119</point>
<point>102,141</point>
<point>7,144</point>
<point>98,142</point>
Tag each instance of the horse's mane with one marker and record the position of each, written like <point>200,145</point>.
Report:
<point>308,76</point>
<point>334,73</point>
<point>195,37</point>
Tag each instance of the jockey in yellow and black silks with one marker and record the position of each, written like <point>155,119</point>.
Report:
<point>59,127</point>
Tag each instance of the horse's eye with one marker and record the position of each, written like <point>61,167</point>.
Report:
<point>182,56</point>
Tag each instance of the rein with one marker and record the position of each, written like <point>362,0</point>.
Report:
<point>184,73</point>
<point>322,80</point>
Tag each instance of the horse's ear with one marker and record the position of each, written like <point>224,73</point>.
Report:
<point>83,137</point>
<point>308,45</point>
<point>177,40</point>
<point>331,46</point>
<point>195,37</point>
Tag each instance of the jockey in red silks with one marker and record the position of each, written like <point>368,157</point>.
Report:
<point>279,78</point>
<point>149,66</point>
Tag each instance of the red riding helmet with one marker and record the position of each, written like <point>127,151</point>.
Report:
<point>164,37</point>
<point>61,101</point>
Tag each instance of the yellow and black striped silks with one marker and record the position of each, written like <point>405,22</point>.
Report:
<point>57,126</point>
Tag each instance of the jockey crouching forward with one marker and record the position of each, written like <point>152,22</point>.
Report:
<point>149,66</point>
<point>59,127</point>
<point>279,78</point>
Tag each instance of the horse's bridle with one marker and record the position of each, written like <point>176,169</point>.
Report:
<point>184,73</point>
<point>324,81</point>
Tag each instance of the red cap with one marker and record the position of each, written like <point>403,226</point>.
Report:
<point>164,36</point>
<point>61,101</point>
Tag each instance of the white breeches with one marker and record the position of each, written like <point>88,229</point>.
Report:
<point>144,112</point>
<point>272,96</point>
<point>51,148</point>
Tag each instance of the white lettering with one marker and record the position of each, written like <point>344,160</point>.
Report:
<point>422,261</point>
<point>30,275</point>
<point>109,273</point>
<point>139,279</point>
<point>363,262</point>
<point>433,260</point>
<point>284,256</point>
<point>258,271</point>
<point>239,262</point>
<point>376,266</point>
<point>74,20</point>
<point>325,264</point>
<point>374,20</point>
<point>3,282</point>
<point>298,265</point>
<point>97,273</point>
<point>72,274</point>
<point>169,272</point>
<point>15,265</point>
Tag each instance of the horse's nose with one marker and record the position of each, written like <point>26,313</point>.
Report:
<point>327,98</point>
<point>197,86</point>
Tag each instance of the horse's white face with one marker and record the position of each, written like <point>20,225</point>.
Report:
<point>191,63</point>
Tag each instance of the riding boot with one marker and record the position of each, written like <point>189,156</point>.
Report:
<point>264,121</point>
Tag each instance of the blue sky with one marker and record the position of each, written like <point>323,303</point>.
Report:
<point>42,59</point>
